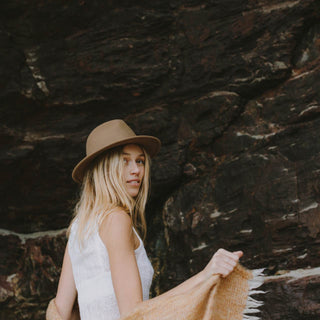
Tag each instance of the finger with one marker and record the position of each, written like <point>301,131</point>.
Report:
<point>226,265</point>
<point>223,252</point>
<point>230,258</point>
<point>229,261</point>
<point>225,270</point>
<point>238,253</point>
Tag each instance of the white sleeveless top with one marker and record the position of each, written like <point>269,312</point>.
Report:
<point>92,276</point>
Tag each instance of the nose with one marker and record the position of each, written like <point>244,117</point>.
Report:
<point>134,169</point>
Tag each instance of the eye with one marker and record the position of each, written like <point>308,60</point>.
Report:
<point>125,161</point>
<point>140,161</point>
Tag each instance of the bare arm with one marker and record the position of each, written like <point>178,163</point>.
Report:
<point>66,293</point>
<point>222,263</point>
<point>117,234</point>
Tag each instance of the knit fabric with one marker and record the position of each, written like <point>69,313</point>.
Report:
<point>213,299</point>
<point>216,298</point>
<point>92,276</point>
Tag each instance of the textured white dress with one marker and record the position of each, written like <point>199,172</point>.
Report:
<point>91,271</point>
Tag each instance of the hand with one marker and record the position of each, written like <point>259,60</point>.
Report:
<point>223,262</point>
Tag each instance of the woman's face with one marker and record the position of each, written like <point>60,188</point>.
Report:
<point>133,158</point>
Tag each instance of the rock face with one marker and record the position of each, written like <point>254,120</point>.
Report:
<point>30,270</point>
<point>232,89</point>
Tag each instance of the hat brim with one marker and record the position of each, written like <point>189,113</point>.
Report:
<point>151,145</point>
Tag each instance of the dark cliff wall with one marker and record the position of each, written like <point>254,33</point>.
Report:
<point>232,88</point>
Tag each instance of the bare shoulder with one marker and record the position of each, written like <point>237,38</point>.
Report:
<point>117,219</point>
<point>116,229</point>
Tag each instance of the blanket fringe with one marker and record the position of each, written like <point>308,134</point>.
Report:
<point>252,306</point>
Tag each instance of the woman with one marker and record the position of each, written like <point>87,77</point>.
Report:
<point>105,263</point>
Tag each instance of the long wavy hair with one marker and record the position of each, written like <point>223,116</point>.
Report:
<point>103,190</point>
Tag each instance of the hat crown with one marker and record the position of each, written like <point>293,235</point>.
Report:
<point>107,134</point>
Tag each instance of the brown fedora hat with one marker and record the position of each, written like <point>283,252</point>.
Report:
<point>108,135</point>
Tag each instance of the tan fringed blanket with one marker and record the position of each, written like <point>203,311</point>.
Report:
<point>214,299</point>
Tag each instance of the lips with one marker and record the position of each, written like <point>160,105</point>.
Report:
<point>134,182</point>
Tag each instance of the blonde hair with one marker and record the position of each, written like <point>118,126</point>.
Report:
<point>103,190</point>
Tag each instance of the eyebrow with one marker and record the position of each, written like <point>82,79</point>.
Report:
<point>129,154</point>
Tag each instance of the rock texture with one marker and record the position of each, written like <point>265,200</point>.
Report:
<point>232,89</point>
<point>292,295</point>
<point>30,268</point>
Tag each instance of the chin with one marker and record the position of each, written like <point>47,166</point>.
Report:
<point>133,194</point>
